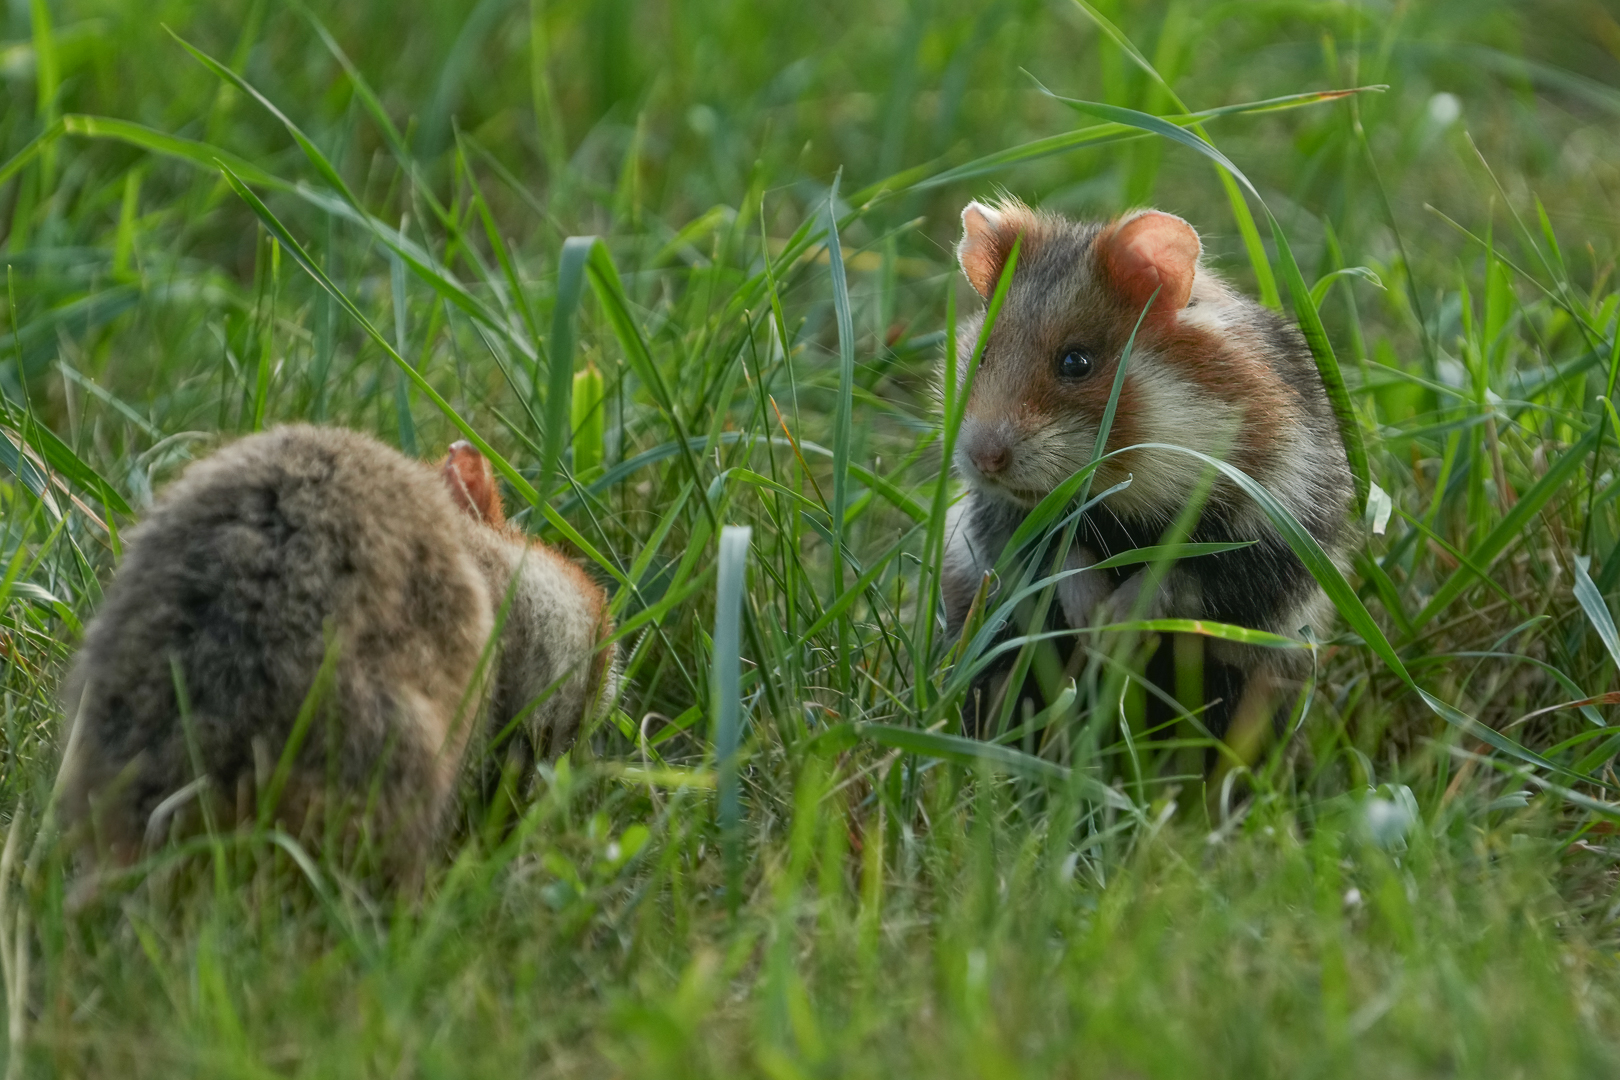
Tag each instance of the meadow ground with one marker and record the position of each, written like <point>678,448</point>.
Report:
<point>220,216</point>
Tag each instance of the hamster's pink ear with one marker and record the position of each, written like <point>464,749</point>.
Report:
<point>986,241</point>
<point>1148,251</point>
<point>472,483</point>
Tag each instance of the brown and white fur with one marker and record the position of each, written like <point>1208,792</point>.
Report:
<point>260,562</point>
<point>1210,370</point>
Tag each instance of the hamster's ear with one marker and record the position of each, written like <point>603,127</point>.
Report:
<point>472,483</point>
<point>984,247</point>
<point>1152,250</point>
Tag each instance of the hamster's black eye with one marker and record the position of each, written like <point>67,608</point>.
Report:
<point>1074,363</point>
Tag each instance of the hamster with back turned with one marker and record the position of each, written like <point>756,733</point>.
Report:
<point>295,551</point>
<point>1210,370</point>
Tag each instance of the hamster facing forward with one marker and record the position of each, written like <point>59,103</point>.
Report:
<point>1210,370</point>
<point>294,549</point>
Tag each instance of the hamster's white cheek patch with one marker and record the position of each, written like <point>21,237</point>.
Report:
<point>1171,409</point>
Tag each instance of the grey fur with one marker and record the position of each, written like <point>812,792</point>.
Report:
<point>251,566</point>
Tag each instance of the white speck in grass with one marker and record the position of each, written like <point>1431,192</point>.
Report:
<point>1444,109</point>
<point>1379,508</point>
<point>17,62</point>
<point>612,852</point>
<point>1387,822</point>
<point>703,120</point>
<point>1451,372</point>
<point>1352,898</point>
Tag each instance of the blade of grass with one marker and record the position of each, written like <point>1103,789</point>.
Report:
<point>919,179</point>
<point>379,115</point>
<point>842,418</point>
<point>402,393</point>
<point>319,691</point>
<point>964,751</point>
<point>1166,551</point>
<point>1264,280</point>
<point>576,252</point>
<point>1043,603</point>
<point>845,598</point>
<point>1597,612</point>
<point>329,173</point>
<point>32,149</point>
<point>726,699</point>
<point>47,84</point>
<point>930,569</point>
<point>64,461</point>
<point>316,158</point>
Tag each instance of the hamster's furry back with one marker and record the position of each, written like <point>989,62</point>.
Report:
<point>251,567</point>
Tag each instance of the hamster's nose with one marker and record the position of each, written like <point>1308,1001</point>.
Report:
<point>990,457</point>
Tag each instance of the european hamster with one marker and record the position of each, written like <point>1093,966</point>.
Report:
<point>1211,370</point>
<point>293,548</point>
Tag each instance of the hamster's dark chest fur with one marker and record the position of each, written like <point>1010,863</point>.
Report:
<point>1253,586</point>
<point>1259,585</point>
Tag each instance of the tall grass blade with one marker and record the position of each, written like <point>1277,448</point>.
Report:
<point>62,460</point>
<point>1167,551</point>
<point>17,462</point>
<point>1327,365</point>
<point>576,251</point>
<point>316,158</point>
<point>32,149</point>
<point>320,691</point>
<point>1026,655</point>
<point>402,391</point>
<point>842,413</point>
<point>921,179</point>
<point>845,598</point>
<point>47,86</point>
<point>1597,612</point>
<point>379,115</point>
<point>725,698</point>
<point>962,751</point>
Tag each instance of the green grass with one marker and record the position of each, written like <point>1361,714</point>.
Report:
<point>1421,883</point>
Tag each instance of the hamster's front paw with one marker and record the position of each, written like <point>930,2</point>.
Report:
<point>1126,603</point>
<point>1175,596</point>
<point>1084,595</point>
